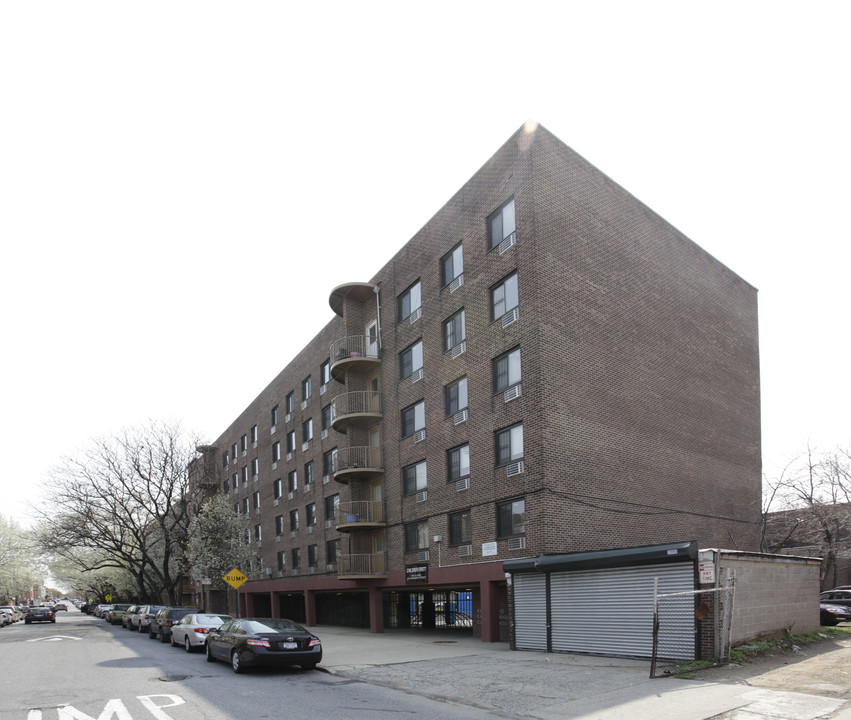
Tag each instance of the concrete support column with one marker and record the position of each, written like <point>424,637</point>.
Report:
<point>376,611</point>
<point>276,604</point>
<point>309,608</point>
<point>490,611</point>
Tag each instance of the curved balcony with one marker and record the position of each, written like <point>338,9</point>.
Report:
<point>360,515</point>
<point>356,352</point>
<point>355,408</point>
<point>358,567</point>
<point>358,462</point>
<point>359,292</point>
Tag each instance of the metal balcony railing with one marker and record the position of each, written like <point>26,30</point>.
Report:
<point>355,351</point>
<point>361,457</point>
<point>362,565</point>
<point>349,407</point>
<point>360,511</point>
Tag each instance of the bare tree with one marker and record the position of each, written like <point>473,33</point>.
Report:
<point>126,502</point>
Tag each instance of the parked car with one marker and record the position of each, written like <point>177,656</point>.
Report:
<point>115,613</point>
<point>5,618</point>
<point>192,630</point>
<point>146,614</point>
<point>246,642</point>
<point>834,614</point>
<point>60,606</point>
<point>165,619</point>
<point>39,613</point>
<point>13,612</point>
<point>836,597</point>
<point>127,618</point>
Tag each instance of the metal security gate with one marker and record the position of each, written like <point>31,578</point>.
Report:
<point>610,611</point>
<point>530,612</point>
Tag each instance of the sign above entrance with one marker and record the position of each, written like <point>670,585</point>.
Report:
<point>416,573</point>
<point>235,579</point>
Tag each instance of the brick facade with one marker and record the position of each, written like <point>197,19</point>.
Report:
<point>638,396</point>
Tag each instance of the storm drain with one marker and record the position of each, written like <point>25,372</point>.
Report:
<point>173,678</point>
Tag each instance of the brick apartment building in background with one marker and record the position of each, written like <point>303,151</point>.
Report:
<point>547,366</point>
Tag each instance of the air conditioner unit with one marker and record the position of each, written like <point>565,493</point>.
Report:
<point>456,283</point>
<point>304,446</point>
<point>459,349</point>
<point>516,468</point>
<point>465,550</point>
<point>510,317</point>
<point>460,417</point>
<point>277,538</point>
<point>419,436</point>
<point>274,466</point>
<point>311,570</point>
<point>328,523</point>
<point>421,496</point>
<point>462,484</point>
<point>509,242</point>
<point>326,479</point>
<point>272,429</point>
<point>287,418</point>
<point>254,444</point>
<point>323,389</point>
<point>303,404</point>
<point>268,571</point>
<point>309,529</point>
<point>292,533</point>
<point>275,502</point>
<point>289,456</point>
<point>323,434</point>
<point>422,556</point>
<point>290,494</point>
<point>331,567</point>
<point>415,315</point>
<point>512,393</point>
<point>518,543</point>
<point>417,375</point>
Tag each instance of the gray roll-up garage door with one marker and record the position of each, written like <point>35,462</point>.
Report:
<point>530,611</point>
<point>610,611</point>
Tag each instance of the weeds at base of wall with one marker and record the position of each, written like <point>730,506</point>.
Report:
<point>752,651</point>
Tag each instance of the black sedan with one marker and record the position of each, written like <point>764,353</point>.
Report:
<point>246,642</point>
<point>834,614</point>
<point>39,614</point>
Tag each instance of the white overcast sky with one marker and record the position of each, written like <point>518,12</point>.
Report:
<point>183,183</point>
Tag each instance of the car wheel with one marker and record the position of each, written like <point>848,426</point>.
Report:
<point>152,634</point>
<point>26,622</point>
<point>308,666</point>
<point>235,663</point>
<point>187,645</point>
<point>171,640</point>
<point>210,657</point>
<point>163,638</point>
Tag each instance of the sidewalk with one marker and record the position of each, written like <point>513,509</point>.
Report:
<point>463,669</point>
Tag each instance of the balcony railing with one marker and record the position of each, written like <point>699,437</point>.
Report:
<point>351,408</point>
<point>360,514</point>
<point>356,352</point>
<point>358,462</point>
<point>364,565</point>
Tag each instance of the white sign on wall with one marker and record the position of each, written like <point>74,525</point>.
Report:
<point>488,549</point>
<point>707,572</point>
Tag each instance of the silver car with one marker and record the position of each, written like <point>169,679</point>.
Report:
<point>191,631</point>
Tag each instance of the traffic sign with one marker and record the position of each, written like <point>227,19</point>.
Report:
<point>235,579</point>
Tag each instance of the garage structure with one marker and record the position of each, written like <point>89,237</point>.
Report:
<point>602,602</point>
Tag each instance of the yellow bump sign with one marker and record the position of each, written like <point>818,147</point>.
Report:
<point>235,579</point>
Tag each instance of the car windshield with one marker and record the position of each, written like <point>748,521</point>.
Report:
<point>273,625</point>
<point>211,619</point>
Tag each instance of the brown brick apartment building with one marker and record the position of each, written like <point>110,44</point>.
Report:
<point>547,366</point>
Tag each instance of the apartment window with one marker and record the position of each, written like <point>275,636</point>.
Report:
<point>332,505</point>
<point>452,265</point>
<point>306,388</point>
<point>290,402</point>
<point>456,396</point>
<point>255,467</point>
<point>282,560</point>
<point>245,473</point>
<point>296,556</point>
<point>504,297</point>
<point>312,555</point>
<point>256,500</point>
<point>409,302</point>
<point>308,473</point>
<point>233,452</point>
<point>245,507</point>
<point>413,419</point>
<point>279,525</point>
<point>253,434</point>
<point>276,452</point>
<point>511,518</point>
<point>325,373</point>
<point>274,416</point>
<point>327,417</point>
<point>292,481</point>
<point>257,533</point>
<point>291,441</point>
<point>278,488</point>
<point>332,551</point>
<point>293,520</point>
<point>506,370</point>
<point>416,536</point>
<point>501,224</point>
<point>329,462</point>
<point>460,532</point>
<point>509,444</point>
<point>243,442</point>
<point>307,430</point>
<point>458,463</point>
<point>226,487</point>
<point>225,460</point>
<point>236,508</point>
<point>414,478</point>
<point>411,360</point>
<point>454,331</point>
<point>236,481</point>
<point>310,514</point>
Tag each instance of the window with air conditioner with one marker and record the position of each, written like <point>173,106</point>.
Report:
<point>312,555</point>
<point>501,225</point>
<point>290,402</point>
<point>452,266</point>
<point>235,478</point>
<point>282,561</point>
<point>293,520</point>
<point>274,418</point>
<point>504,297</point>
<point>506,371</point>
<point>411,360</point>
<point>257,533</point>
<point>291,441</point>
<point>256,500</point>
<point>276,452</point>
<point>254,435</point>
<point>307,430</point>
<point>413,419</point>
<point>306,389</point>
<point>509,445</point>
<point>295,554</point>
<point>332,505</point>
<point>332,552</point>
<point>279,525</point>
<point>460,528</point>
<point>454,332</point>
<point>409,302</point>
<point>310,515</point>
<point>327,416</point>
<point>458,463</point>
<point>511,518</point>
<point>244,474</point>
<point>225,459</point>
<point>233,453</point>
<point>308,473</point>
<point>416,537</point>
<point>329,462</point>
<point>243,443</point>
<point>255,467</point>
<point>292,481</point>
<point>414,478</point>
<point>325,372</point>
<point>278,488</point>
<point>455,395</point>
